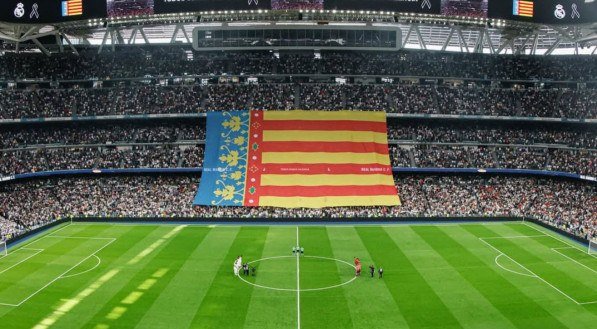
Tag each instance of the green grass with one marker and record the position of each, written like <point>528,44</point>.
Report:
<point>501,275</point>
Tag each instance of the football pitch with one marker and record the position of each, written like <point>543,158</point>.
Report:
<point>471,275</point>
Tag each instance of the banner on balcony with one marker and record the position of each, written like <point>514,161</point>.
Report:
<point>291,159</point>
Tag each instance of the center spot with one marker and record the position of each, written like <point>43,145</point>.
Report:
<point>316,273</point>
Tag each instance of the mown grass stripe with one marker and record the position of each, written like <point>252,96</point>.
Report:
<point>132,275</point>
<point>274,273</point>
<point>130,242</point>
<point>320,273</point>
<point>42,306</point>
<point>412,293</point>
<point>462,298</point>
<point>225,304</point>
<point>58,256</point>
<point>162,268</point>
<point>382,312</point>
<point>535,253</point>
<point>190,285</point>
<point>501,293</point>
<point>535,294</point>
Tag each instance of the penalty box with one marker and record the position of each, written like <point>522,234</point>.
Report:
<point>27,271</point>
<point>568,269</point>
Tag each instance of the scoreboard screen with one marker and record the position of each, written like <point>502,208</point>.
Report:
<point>50,11</point>
<point>534,11</point>
<point>545,11</point>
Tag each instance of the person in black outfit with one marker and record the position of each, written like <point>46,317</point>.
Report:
<point>380,270</point>
<point>372,270</point>
<point>246,269</point>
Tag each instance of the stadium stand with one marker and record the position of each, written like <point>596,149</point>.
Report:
<point>568,205</point>
<point>501,86</point>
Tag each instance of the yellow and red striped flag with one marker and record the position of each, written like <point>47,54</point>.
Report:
<point>522,8</point>
<point>295,159</point>
<point>72,8</point>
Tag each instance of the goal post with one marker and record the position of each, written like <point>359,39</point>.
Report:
<point>592,247</point>
<point>3,249</point>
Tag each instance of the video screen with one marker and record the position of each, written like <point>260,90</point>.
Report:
<point>297,4</point>
<point>119,8</point>
<point>468,8</point>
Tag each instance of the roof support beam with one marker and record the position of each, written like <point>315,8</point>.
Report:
<point>410,29</point>
<point>461,40</point>
<point>59,43</point>
<point>478,48</point>
<point>489,42</point>
<point>420,37</point>
<point>554,46</point>
<point>65,38</point>
<point>448,39</point>
<point>42,48</point>
<point>535,43</point>
<point>177,28</point>
<point>104,39</point>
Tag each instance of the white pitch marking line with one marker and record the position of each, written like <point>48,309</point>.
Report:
<point>559,239</point>
<point>77,237</point>
<point>585,303</point>
<point>99,261</point>
<point>26,258</point>
<point>507,269</point>
<point>574,260</point>
<point>515,236</point>
<point>298,284</point>
<point>538,277</point>
<point>302,290</point>
<point>60,276</point>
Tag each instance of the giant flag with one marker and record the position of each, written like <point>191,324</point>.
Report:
<point>295,159</point>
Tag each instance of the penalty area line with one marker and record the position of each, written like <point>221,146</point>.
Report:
<point>61,276</point>
<point>533,273</point>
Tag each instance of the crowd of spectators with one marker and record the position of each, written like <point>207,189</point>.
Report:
<point>392,98</point>
<point>84,134</point>
<point>191,156</point>
<point>581,137</point>
<point>140,99</point>
<point>398,131</point>
<point>474,156</point>
<point>105,157</point>
<point>568,205</point>
<point>135,62</point>
<point>412,144</point>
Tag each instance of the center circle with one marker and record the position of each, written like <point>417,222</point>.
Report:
<point>292,270</point>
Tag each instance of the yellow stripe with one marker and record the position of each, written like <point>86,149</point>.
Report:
<point>331,180</point>
<point>329,201</point>
<point>324,136</point>
<point>325,115</point>
<point>324,157</point>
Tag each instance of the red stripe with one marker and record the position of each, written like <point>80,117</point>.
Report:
<point>324,147</point>
<point>343,125</point>
<point>253,169</point>
<point>320,169</point>
<point>317,191</point>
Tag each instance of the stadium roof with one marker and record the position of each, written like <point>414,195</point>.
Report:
<point>419,31</point>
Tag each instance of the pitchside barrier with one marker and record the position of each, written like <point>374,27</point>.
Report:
<point>290,221</point>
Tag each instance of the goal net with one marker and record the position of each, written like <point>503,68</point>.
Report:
<point>3,249</point>
<point>592,247</point>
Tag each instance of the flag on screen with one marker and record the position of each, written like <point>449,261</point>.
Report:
<point>522,8</point>
<point>72,8</point>
<point>292,159</point>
